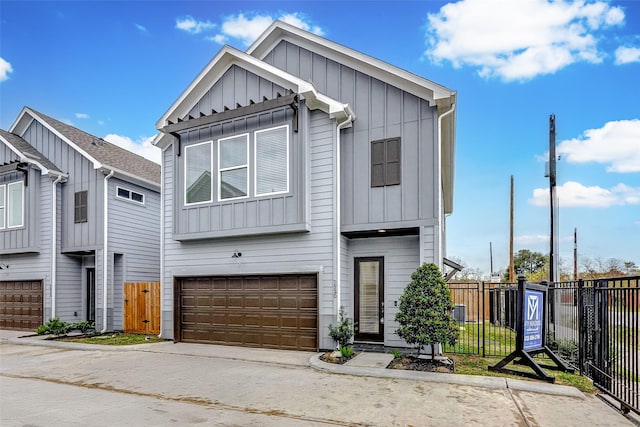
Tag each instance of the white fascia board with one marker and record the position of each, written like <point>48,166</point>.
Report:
<point>227,57</point>
<point>381,70</point>
<point>25,158</point>
<point>126,176</point>
<point>27,110</point>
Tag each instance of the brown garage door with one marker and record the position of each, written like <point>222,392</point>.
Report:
<point>21,305</point>
<point>253,311</point>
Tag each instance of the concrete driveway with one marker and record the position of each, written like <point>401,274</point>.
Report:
<point>189,384</point>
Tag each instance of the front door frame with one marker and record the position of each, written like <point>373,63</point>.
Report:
<point>379,337</point>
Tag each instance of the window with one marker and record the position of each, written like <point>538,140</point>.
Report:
<point>385,162</point>
<point>272,161</point>
<point>80,207</point>
<point>197,173</point>
<point>2,206</point>
<point>12,205</point>
<point>134,196</point>
<point>233,167</point>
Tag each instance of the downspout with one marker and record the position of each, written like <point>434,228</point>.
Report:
<point>162,280</point>
<point>338,218</point>
<point>54,241</point>
<point>105,258</point>
<point>440,210</point>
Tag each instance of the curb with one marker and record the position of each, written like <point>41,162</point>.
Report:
<point>456,379</point>
<point>42,342</point>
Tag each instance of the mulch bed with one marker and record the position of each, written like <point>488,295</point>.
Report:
<point>414,363</point>
<point>334,357</point>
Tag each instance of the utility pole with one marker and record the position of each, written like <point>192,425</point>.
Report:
<point>575,254</point>
<point>553,248</point>
<point>491,258</point>
<point>512,274</point>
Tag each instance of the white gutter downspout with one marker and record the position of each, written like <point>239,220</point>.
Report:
<point>162,279</point>
<point>105,258</point>
<point>54,241</point>
<point>337,221</point>
<point>440,211</point>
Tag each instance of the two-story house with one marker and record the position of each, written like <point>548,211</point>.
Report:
<point>79,216</point>
<point>299,177</point>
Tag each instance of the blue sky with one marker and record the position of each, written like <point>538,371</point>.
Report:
<point>113,68</point>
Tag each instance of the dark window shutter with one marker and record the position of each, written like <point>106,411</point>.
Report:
<point>385,162</point>
<point>80,207</point>
<point>392,172</point>
<point>377,163</point>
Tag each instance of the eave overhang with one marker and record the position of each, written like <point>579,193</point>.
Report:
<point>225,59</point>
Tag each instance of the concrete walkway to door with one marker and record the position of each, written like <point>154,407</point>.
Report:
<point>188,384</point>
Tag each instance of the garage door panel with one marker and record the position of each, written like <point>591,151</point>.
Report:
<point>258,311</point>
<point>21,305</point>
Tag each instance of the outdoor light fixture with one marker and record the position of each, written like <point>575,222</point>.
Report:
<point>4,266</point>
<point>236,254</point>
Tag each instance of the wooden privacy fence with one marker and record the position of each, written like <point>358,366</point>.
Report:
<point>142,307</point>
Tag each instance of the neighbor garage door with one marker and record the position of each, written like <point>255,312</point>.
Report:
<point>254,311</point>
<point>21,305</point>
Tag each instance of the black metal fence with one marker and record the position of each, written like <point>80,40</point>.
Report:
<point>593,325</point>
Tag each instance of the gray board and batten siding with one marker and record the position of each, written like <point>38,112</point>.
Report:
<point>252,215</point>
<point>382,111</point>
<point>292,253</point>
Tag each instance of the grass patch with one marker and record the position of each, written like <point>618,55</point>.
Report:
<point>116,339</point>
<point>469,364</point>
<point>498,340</point>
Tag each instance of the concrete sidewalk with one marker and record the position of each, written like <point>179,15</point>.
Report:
<point>276,386</point>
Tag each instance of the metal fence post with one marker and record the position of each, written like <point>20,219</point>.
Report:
<point>581,327</point>
<point>483,319</point>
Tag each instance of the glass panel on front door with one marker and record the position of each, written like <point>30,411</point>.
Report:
<point>369,299</point>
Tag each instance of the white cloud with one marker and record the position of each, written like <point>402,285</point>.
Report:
<point>616,144</point>
<point>142,28</point>
<point>626,55</point>
<point>245,28</point>
<point>82,116</point>
<point>518,40</point>
<point>574,194</point>
<point>5,69</point>
<point>142,146</point>
<point>191,25</point>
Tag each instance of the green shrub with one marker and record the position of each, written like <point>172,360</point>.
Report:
<point>425,310</point>
<point>54,327</point>
<point>346,351</point>
<point>343,331</point>
<point>396,353</point>
<point>84,326</point>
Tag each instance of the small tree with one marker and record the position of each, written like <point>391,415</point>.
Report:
<point>425,310</point>
<point>342,333</point>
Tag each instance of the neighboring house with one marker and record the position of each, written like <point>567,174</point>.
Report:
<point>79,216</point>
<point>300,177</point>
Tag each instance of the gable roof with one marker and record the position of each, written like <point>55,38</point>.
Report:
<point>374,67</point>
<point>101,153</point>
<point>228,56</point>
<point>28,153</point>
<point>437,95</point>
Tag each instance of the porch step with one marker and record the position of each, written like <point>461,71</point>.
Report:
<point>371,360</point>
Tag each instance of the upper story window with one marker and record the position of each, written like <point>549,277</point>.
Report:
<point>124,193</point>
<point>197,173</point>
<point>272,161</point>
<point>12,205</point>
<point>233,167</point>
<point>385,162</point>
<point>80,207</point>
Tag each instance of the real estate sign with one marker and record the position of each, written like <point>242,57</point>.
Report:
<point>532,333</point>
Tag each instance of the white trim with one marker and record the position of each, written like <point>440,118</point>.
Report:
<point>54,243</point>
<point>105,254</point>
<point>131,192</point>
<point>185,203</point>
<point>3,217</point>
<point>255,161</point>
<point>27,110</point>
<point>381,70</point>
<point>8,205</point>
<point>238,167</point>
<point>227,57</point>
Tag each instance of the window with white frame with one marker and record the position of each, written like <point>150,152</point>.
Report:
<point>233,167</point>
<point>197,173</point>
<point>125,193</point>
<point>272,161</point>
<point>12,205</point>
<point>3,206</point>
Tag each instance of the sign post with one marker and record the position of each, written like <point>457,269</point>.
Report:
<point>531,334</point>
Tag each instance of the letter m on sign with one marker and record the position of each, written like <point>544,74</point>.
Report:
<point>532,308</point>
